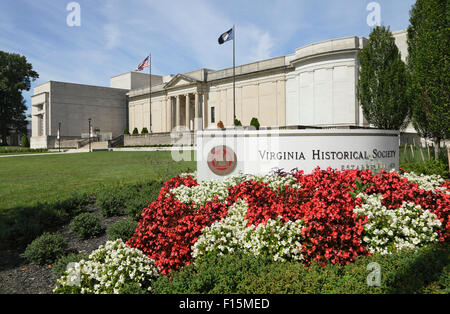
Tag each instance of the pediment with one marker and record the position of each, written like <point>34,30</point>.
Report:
<point>180,80</point>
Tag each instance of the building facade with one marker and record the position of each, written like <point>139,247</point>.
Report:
<point>314,86</point>
<point>69,106</point>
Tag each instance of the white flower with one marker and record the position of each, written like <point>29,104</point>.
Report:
<point>111,267</point>
<point>275,238</point>
<point>409,226</point>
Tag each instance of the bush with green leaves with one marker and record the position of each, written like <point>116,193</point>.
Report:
<point>144,130</point>
<point>111,200</point>
<point>46,249</point>
<point>128,199</point>
<point>135,131</point>
<point>423,271</point>
<point>86,225</point>
<point>126,131</point>
<point>112,268</point>
<point>428,167</point>
<point>255,123</point>
<point>123,229</point>
<point>144,195</point>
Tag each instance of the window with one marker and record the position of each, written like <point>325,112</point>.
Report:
<point>213,115</point>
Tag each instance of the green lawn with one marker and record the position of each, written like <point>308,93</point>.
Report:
<point>27,180</point>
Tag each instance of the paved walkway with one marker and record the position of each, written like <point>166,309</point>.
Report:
<point>38,154</point>
<point>86,150</point>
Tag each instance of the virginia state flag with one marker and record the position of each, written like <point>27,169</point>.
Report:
<point>226,36</point>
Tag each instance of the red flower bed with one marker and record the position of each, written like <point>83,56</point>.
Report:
<point>169,228</point>
<point>325,201</point>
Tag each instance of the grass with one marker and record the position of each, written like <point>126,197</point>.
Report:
<point>410,154</point>
<point>28,180</point>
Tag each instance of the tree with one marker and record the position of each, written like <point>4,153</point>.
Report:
<point>382,85</point>
<point>429,68</point>
<point>15,76</point>
<point>25,141</point>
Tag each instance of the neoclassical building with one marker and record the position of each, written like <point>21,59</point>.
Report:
<point>314,86</point>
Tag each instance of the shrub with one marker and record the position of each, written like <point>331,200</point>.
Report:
<point>111,200</point>
<point>112,268</point>
<point>255,123</point>
<point>123,229</point>
<point>60,267</point>
<point>135,131</point>
<point>76,204</point>
<point>211,274</point>
<point>145,194</point>
<point>220,125</point>
<point>144,130</point>
<point>402,272</point>
<point>132,288</point>
<point>428,167</point>
<point>46,248</point>
<point>86,226</point>
<point>25,141</point>
<point>126,131</point>
<point>237,122</point>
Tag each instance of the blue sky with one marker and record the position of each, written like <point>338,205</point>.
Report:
<point>116,35</point>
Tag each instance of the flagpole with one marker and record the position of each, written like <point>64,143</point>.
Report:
<point>234,74</point>
<point>150,95</point>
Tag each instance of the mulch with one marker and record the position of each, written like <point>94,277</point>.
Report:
<point>19,276</point>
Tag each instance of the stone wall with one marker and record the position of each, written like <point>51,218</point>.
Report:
<point>185,138</point>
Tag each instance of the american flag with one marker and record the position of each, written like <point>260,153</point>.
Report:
<point>144,64</point>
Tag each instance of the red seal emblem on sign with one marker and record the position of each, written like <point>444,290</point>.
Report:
<point>222,160</point>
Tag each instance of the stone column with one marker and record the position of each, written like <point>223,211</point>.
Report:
<point>169,114</point>
<point>197,119</point>
<point>177,111</point>
<point>188,116</point>
<point>205,111</point>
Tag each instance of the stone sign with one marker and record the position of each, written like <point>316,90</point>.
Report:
<point>225,153</point>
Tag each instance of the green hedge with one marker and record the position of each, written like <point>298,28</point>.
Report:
<point>46,249</point>
<point>428,167</point>
<point>422,271</point>
<point>127,199</point>
<point>123,229</point>
<point>86,225</point>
